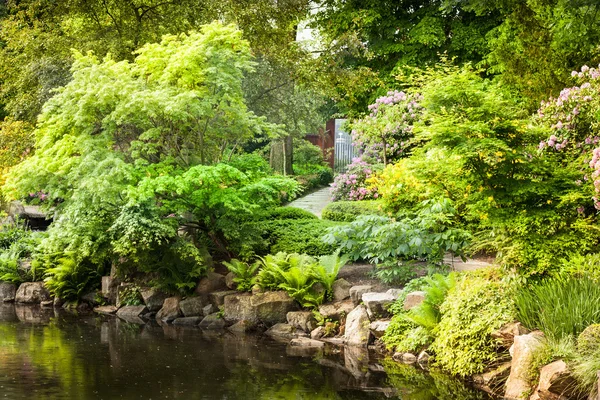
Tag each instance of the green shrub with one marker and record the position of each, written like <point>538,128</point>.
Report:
<point>279,213</point>
<point>347,211</point>
<point>245,274</point>
<point>472,310</point>
<point>306,153</point>
<point>252,164</point>
<point>297,274</point>
<point>559,306</point>
<point>313,176</point>
<point>69,279</point>
<point>588,341</point>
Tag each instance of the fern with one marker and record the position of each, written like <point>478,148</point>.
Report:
<point>245,274</point>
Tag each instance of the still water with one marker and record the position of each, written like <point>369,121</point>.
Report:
<point>44,355</point>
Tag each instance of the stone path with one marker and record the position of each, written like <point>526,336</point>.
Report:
<point>314,202</point>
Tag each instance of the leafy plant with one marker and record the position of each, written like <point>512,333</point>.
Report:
<point>348,211</point>
<point>472,310</point>
<point>560,307</point>
<point>245,274</point>
<point>70,280</point>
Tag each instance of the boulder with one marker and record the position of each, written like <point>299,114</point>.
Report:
<point>91,298</point>
<point>520,376</point>
<point>242,326</point>
<point>8,292</point>
<point>187,321</point>
<point>395,292</point>
<point>378,327</point>
<point>491,381</point>
<point>193,307</point>
<point>153,299</point>
<point>217,299</point>
<point>32,292</point>
<point>406,358</point>
<point>337,310</point>
<point>306,342</point>
<point>272,307</point>
<point>229,281</point>
<point>47,303</point>
<point>356,293</point>
<point>317,333</point>
<point>208,309</point>
<point>282,331</point>
<point>413,299</point>
<point>238,307</point>
<point>423,359</point>
<point>357,327</point>
<point>507,333</point>
<point>341,289</point>
<point>304,320</point>
<point>212,282</point>
<point>109,288</point>
<point>555,382</point>
<point>170,310</point>
<point>377,304</point>
<point>256,289</point>
<point>106,310</point>
<point>212,322</point>
<point>132,313</point>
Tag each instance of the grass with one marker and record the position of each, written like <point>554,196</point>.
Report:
<point>560,307</point>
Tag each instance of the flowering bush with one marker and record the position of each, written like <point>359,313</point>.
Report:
<point>352,185</point>
<point>383,135</point>
<point>573,120</point>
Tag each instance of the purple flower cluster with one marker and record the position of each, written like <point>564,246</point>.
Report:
<point>390,121</point>
<point>572,118</point>
<point>352,184</point>
<point>38,195</point>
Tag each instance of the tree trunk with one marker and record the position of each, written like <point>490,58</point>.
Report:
<point>281,156</point>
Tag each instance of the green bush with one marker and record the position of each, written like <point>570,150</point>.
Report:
<point>297,274</point>
<point>245,274</point>
<point>347,211</point>
<point>252,164</point>
<point>281,213</point>
<point>588,341</point>
<point>69,279</point>
<point>560,307</point>
<point>299,236</point>
<point>472,310</point>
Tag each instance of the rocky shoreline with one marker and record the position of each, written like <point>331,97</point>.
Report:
<point>356,318</point>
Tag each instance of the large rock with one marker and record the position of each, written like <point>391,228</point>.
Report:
<point>229,281</point>
<point>304,320</point>
<point>555,383</point>
<point>242,326</point>
<point>356,293</point>
<point>283,331</point>
<point>357,327</point>
<point>522,351</point>
<point>212,322</point>
<point>337,311</point>
<point>341,289</point>
<point>377,304</point>
<point>379,327</point>
<point>217,299</point>
<point>132,313</point>
<point>170,310</point>
<point>491,381</point>
<point>192,306</point>
<point>272,307</point>
<point>153,299</point>
<point>110,287</point>
<point>212,282</point>
<point>238,307</point>
<point>506,334</point>
<point>413,300</point>
<point>7,292</point>
<point>32,292</point>
<point>106,310</point>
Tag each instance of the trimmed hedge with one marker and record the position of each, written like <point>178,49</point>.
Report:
<point>282,213</point>
<point>347,211</point>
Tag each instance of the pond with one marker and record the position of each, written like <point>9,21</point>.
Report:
<point>45,354</point>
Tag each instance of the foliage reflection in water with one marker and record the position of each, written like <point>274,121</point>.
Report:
<point>46,355</point>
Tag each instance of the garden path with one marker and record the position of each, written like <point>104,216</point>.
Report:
<point>314,202</point>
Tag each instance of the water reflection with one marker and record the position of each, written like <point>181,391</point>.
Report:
<point>51,355</point>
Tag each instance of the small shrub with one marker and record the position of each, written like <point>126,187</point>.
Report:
<point>279,213</point>
<point>588,341</point>
<point>560,306</point>
<point>352,185</point>
<point>245,274</point>
<point>252,164</point>
<point>298,236</point>
<point>471,311</point>
<point>348,211</point>
<point>69,279</point>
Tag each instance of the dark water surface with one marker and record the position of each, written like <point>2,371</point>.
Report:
<point>44,355</point>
